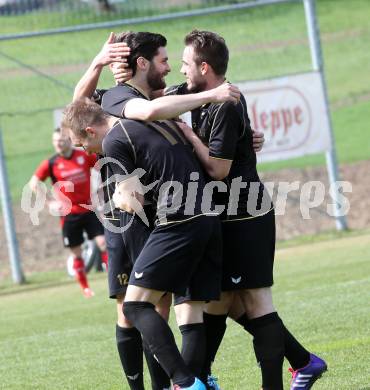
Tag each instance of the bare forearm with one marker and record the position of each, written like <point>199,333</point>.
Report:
<point>217,168</point>
<point>201,151</point>
<point>88,82</point>
<point>166,107</point>
<point>38,188</point>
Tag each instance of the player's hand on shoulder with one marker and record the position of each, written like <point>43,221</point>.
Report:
<point>226,92</point>
<point>258,140</point>
<point>112,52</point>
<point>187,130</point>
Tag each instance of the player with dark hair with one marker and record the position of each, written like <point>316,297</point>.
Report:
<point>183,249</point>
<point>131,100</point>
<point>69,170</point>
<point>123,249</point>
<point>222,139</point>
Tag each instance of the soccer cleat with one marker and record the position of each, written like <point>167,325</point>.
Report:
<point>88,293</point>
<point>197,385</point>
<point>212,383</point>
<point>304,378</point>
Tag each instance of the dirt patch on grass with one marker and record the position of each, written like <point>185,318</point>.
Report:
<point>41,246</point>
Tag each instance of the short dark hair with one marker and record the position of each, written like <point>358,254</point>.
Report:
<point>142,44</point>
<point>210,48</point>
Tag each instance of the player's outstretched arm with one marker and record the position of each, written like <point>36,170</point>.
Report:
<point>171,106</point>
<point>110,53</point>
<point>34,184</point>
<point>216,168</point>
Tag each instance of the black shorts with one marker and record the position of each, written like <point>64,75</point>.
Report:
<point>248,252</point>
<point>183,258</point>
<point>73,226</point>
<point>134,234</point>
<point>119,263</point>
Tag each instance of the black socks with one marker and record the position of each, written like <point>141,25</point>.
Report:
<point>193,346</point>
<point>215,327</point>
<point>159,378</point>
<point>129,345</point>
<point>160,340</point>
<point>296,354</point>
<point>268,345</point>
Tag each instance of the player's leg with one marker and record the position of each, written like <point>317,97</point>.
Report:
<point>189,317</point>
<point>100,242</point>
<point>128,339</point>
<point>295,353</point>
<point>306,367</point>
<point>171,261</point>
<point>139,308</point>
<point>80,274</point>
<point>215,315</point>
<point>72,231</point>
<point>268,340</point>
<point>134,239</point>
<point>159,378</point>
<point>205,286</point>
<point>249,245</point>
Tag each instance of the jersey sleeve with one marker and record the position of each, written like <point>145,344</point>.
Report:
<point>227,128</point>
<point>115,99</point>
<point>121,154</point>
<point>42,172</point>
<point>98,96</point>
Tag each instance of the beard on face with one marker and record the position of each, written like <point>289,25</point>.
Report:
<point>155,78</point>
<point>197,86</point>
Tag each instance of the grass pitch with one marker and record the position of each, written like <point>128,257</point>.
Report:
<point>53,338</point>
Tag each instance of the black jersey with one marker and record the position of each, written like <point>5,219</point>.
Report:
<point>226,129</point>
<point>106,173</point>
<point>115,99</point>
<point>173,175</point>
<point>110,211</point>
<point>113,102</point>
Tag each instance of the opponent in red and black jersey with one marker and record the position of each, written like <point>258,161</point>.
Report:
<point>76,171</point>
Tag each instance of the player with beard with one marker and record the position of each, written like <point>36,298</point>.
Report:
<point>148,61</point>
<point>222,139</point>
<point>122,250</point>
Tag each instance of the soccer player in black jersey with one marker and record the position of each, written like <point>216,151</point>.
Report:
<point>122,251</point>
<point>148,59</point>
<point>254,290</point>
<point>222,139</point>
<point>184,247</point>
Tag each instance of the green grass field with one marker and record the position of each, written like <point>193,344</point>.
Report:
<point>263,42</point>
<point>53,338</point>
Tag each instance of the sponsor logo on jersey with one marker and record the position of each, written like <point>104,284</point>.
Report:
<point>139,275</point>
<point>80,160</point>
